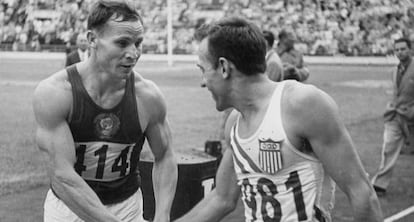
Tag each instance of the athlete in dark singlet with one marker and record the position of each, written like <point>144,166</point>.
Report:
<point>92,120</point>
<point>108,141</point>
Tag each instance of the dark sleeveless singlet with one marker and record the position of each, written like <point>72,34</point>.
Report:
<point>108,141</point>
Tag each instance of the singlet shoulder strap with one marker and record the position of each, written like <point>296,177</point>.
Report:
<point>130,85</point>
<point>277,106</point>
<point>278,111</point>
<point>130,93</point>
<point>74,77</point>
<point>272,109</point>
<point>76,84</point>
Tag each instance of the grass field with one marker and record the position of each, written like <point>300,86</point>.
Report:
<point>361,93</point>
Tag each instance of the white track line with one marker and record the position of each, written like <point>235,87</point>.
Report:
<point>400,214</point>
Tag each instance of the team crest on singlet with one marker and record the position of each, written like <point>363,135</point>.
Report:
<point>106,125</point>
<point>270,156</point>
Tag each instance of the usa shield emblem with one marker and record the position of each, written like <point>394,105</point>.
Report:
<point>270,156</point>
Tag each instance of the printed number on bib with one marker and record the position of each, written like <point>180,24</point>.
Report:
<point>103,161</point>
<point>261,201</point>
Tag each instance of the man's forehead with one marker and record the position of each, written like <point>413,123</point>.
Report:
<point>203,46</point>
<point>132,27</point>
<point>202,50</point>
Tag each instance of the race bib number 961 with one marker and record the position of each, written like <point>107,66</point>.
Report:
<point>103,161</point>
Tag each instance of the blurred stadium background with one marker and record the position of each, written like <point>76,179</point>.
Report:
<point>328,31</point>
<point>323,27</point>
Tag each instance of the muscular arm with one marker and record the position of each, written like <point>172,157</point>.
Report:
<point>158,133</point>
<point>223,199</point>
<point>321,125</point>
<point>51,104</point>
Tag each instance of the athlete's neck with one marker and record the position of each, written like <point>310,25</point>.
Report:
<point>252,96</point>
<point>99,79</point>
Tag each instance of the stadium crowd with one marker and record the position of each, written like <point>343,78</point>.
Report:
<point>322,27</point>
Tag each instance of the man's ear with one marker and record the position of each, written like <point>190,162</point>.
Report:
<point>225,66</point>
<point>91,35</point>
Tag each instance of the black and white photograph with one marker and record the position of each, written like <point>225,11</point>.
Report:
<point>207,110</point>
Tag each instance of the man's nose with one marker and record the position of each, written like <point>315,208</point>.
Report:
<point>132,52</point>
<point>203,83</point>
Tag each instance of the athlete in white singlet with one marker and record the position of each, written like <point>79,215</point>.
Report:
<point>271,171</point>
<point>287,140</point>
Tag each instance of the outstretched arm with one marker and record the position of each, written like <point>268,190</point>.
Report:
<point>222,200</point>
<point>51,106</point>
<point>322,126</point>
<point>165,169</point>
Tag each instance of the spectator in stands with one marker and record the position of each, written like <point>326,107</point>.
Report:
<point>399,116</point>
<point>292,59</point>
<point>274,67</point>
<point>310,19</point>
<point>35,43</point>
<point>82,52</point>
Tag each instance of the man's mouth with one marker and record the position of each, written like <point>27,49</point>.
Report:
<point>128,66</point>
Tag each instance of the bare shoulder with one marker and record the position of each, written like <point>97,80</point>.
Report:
<point>149,96</point>
<point>147,90</point>
<point>307,109</point>
<point>305,98</point>
<point>309,112</point>
<point>53,95</point>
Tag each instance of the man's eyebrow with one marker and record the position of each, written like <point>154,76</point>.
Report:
<point>128,38</point>
<point>123,37</point>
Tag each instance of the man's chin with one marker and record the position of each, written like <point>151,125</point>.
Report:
<point>220,108</point>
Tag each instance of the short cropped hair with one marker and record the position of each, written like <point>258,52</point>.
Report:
<point>237,40</point>
<point>286,34</point>
<point>270,38</point>
<point>407,41</point>
<point>102,10</point>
